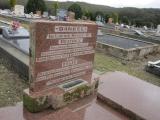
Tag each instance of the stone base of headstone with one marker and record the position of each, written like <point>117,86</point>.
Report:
<point>56,97</point>
<point>35,103</point>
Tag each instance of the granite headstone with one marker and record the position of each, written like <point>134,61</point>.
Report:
<point>61,63</point>
<point>61,52</point>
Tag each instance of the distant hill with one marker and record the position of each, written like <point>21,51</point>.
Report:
<point>85,6</point>
<point>91,7</point>
<point>65,5</point>
<point>128,15</point>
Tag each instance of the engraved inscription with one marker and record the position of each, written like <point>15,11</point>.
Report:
<point>63,52</point>
<point>71,29</point>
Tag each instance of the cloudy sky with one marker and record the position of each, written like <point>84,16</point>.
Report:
<point>124,3</point>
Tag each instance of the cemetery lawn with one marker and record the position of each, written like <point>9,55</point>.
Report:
<point>105,63</point>
<point>11,87</point>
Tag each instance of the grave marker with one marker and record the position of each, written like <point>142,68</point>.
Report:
<point>19,10</point>
<point>61,52</point>
<point>158,29</point>
<point>61,14</point>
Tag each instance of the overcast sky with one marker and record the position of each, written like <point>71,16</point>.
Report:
<point>124,3</point>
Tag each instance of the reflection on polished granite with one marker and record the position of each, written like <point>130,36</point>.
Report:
<point>20,33</point>
<point>132,94</point>
<point>86,109</point>
<point>21,44</point>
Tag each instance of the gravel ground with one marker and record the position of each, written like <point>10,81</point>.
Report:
<point>11,87</point>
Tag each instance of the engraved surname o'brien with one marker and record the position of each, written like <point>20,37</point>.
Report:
<point>70,41</point>
<point>71,28</point>
<point>69,35</point>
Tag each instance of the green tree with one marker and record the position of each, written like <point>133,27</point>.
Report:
<point>12,3</point>
<point>107,16</point>
<point>76,8</point>
<point>99,13</point>
<point>55,7</point>
<point>35,5</point>
<point>115,17</point>
<point>4,4</point>
<point>91,16</point>
<point>88,14</point>
<point>125,20</point>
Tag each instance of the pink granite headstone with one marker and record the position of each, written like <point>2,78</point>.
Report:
<point>61,52</point>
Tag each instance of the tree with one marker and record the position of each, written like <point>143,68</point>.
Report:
<point>91,16</point>
<point>55,7</point>
<point>88,14</point>
<point>76,8</point>
<point>125,20</point>
<point>4,4</point>
<point>107,16</point>
<point>12,3</point>
<point>99,13</point>
<point>35,5</point>
<point>115,17</point>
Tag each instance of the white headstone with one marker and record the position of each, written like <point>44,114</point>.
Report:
<point>158,29</point>
<point>45,14</point>
<point>99,18</point>
<point>19,10</point>
<point>61,14</point>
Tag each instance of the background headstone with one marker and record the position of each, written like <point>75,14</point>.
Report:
<point>45,14</point>
<point>71,15</point>
<point>39,13</point>
<point>19,10</point>
<point>61,14</point>
<point>110,20</point>
<point>158,29</point>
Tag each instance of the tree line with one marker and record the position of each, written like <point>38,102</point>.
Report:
<point>130,16</point>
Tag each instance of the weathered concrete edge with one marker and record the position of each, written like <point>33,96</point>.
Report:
<point>131,38</point>
<point>14,64</point>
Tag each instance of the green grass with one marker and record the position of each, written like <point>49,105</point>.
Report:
<point>104,63</point>
<point>11,86</point>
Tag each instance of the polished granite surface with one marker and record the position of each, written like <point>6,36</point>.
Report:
<point>85,109</point>
<point>131,93</point>
<point>21,44</point>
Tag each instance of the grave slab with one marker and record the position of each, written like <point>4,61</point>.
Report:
<point>87,109</point>
<point>130,95</point>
